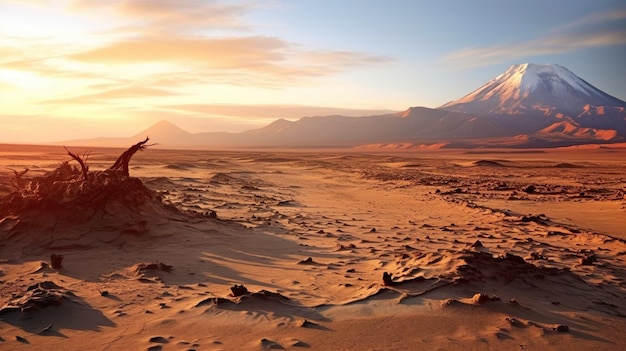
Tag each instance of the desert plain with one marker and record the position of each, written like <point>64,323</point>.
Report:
<point>253,250</point>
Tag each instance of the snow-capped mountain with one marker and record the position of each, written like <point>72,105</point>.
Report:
<point>548,89</point>
<point>543,99</point>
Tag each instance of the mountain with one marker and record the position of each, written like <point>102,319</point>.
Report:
<point>530,98</point>
<point>166,132</point>
<point>416,124</point>
<point>528,105</point>
<point>163,133</point>
<point>531,88</point>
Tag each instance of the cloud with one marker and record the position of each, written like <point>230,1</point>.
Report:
<point>170,44</point>
<point>227,52</point>
<point>7,54</point>
<point>254,60</point>
<point>594,19</point>
<point>170,16</point>
<point>122,49</point>
<point>270,111</point>
<point>113,94</point>
<point>595,30</point>
<point>209,42</point>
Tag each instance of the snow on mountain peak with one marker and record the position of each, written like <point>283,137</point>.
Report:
<point>557,77</point>
<point>531,86</point>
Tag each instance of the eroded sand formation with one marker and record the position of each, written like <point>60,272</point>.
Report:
<point>495,253</point>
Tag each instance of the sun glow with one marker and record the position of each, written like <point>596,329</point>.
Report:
<point>86,61</point>
<point>23,79</point>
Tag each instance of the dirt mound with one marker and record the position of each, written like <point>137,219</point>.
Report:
<point>222,179</point>
<point>37,296</point>
<point>63,192</point>
<point>481,266</point>
<point>488,163</point>
<point>567,165</point>
<point>180,166</point>
<point>65,205</point>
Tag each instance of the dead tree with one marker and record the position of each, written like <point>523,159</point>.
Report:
<point>124,159</point>
<point>81,160</point>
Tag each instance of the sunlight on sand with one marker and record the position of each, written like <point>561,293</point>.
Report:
<point>284,250</point>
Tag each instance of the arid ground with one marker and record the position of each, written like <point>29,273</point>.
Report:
<point>253,250</point>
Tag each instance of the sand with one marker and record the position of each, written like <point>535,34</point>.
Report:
<point>490,250</point>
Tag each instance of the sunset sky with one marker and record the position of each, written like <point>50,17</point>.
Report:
<point>78,69</point>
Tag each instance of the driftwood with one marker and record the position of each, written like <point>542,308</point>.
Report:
<point>124,159</point>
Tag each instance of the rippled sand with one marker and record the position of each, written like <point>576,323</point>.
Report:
<point>309,235</point>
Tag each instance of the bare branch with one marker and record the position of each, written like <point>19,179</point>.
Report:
<point>124,159</point>
<point>82,163</point>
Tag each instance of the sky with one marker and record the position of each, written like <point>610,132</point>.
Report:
<point>76,69</point>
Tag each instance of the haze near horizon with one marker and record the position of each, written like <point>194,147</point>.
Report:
<point>83,69</point>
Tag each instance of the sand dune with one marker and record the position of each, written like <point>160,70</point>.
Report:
<point>510,251</point>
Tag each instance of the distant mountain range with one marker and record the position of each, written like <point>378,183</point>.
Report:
<point>529,105</point>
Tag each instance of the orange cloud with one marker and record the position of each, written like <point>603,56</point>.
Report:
<point>212,52</point>
<point>259,61</point>
<point>170,44</point>
<point>170,16</point>
<point>125,57</point>
<point>113,94</point>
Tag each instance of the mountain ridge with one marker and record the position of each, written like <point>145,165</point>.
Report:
<point>528,105</point>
